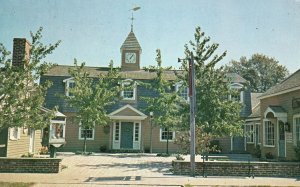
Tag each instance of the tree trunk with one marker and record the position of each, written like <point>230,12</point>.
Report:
<point>84,143</point>
<point>167,141</point>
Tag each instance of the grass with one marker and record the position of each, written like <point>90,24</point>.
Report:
<point>15,184</point>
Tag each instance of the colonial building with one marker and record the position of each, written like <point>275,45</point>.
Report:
<point>275,125</point>
<point>130,128</point>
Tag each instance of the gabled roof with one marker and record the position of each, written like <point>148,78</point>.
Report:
<point>291,83</point>
<point>234,77</point>
<point>127,112</point>
<point>131,42</point>
<point>277,112</point>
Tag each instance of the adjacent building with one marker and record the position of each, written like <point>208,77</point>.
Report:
<point>275,124</point>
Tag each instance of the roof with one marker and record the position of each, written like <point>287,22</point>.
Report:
<point>255,99</point>
<point>234,77</point>
<point>131,42</point>
<point>63,70</point>
<point>277,109</point>
<point>255,112</point>
<point>289,84</point>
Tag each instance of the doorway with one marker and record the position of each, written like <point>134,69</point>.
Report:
<point>281,146</point>
<point>126,135</point>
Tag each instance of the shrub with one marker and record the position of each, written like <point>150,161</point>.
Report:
<point>269,155</point>
<point>297,151</point>
<point>27,155</point>
<point>179,157</point>
<point>103,148</point>
<point>257,151</point>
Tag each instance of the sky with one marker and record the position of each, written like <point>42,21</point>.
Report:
<point>93,31</point>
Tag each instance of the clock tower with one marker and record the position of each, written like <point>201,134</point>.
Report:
<point>130,53</point>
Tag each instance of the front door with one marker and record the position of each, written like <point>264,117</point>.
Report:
<point>126,135</point>
<point>281,139</point>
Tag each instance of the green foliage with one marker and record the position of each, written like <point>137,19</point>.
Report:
<point>261,71</point>
<point>216,115</point>
<point>21,98</point>
<point>91,96</point>
<point>165,105</point>
<point>297,151</point>
<point>269,155</point>
<point>257,151</point>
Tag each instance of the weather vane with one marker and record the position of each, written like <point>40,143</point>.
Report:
<point>135,8</point>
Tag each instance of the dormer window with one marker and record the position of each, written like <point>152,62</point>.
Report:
<point>182,90</point>
<point>237,92</point>
<point>129,90</point>
<point>69,83</point>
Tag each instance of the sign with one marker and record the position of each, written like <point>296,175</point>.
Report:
<point>289,137</point>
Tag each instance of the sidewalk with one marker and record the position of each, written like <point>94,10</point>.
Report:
<point>131,170</point>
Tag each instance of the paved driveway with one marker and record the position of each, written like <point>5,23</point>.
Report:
<point>131,170</point>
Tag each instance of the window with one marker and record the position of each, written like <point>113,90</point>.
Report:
<point>89,132</point>
<point>69,83</point>
<point>297,130</point>
<point>182,91</point>
<point>57,130</point>
<point>136,132</point>
<point>129,90</point>
<point>117,131</point>
<point>164,134</point>
<point>237,93</point>
<point>14,133</point>
<point>257,136</point>
<point>269,134</point>
<point>249,133</point>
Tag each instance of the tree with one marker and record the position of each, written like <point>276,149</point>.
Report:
<point>91,96</point>
<point>165,104</point>
<point>261,71</point>
<point>21,98</point>
<point>216,115</point>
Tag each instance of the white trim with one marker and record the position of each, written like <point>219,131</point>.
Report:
<point>126,82</point>
<point>281,92</point>
<point>250,133</point>
<point>276,114</point>
<point>141,116</point>
<point>236,85</point>
<point>67,82</point>
<point>127,117</point>
<point>68,79</point>
<point>294,128</point>
<point>177,87</point>
<point>257,139</point>
<point>278,138</point>
<point>252,119</point>
<point>79,133</point>
<point>264,133</point>
<point>170,140</point>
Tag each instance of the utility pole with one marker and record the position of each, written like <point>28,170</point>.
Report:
<point>192,95</point>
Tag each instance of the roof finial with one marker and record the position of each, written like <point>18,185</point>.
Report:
<point>135,8</point>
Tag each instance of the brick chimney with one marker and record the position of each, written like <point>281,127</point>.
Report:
<point>21,50</point>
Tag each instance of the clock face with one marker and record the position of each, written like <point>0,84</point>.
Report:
<point>130,57</point>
